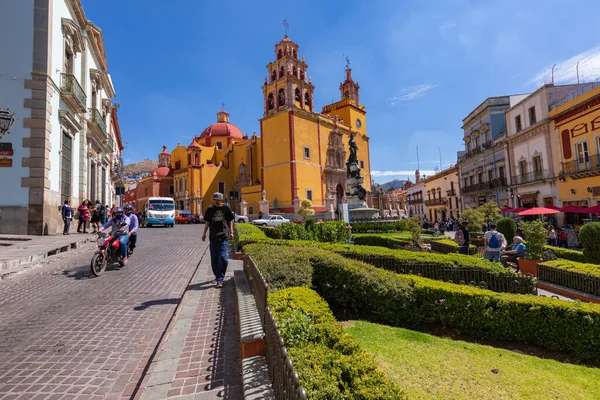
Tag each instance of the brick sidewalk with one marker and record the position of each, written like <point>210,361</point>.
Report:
<point>200,358</point>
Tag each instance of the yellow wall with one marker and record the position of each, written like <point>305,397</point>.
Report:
<point>308,171</point>
<point>588,119</point>
<point>276,168</point>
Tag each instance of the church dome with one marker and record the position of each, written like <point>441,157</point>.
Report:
<point>222,128</point>
<point>161,172</point>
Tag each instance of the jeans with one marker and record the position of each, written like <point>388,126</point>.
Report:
<point>83,224</point>
<point>505,259</point>
<point>552,242</point>
<point>492,255</point>
<point>464,249</point>
<point>218,258</point>
<point>124,240</point>
<point>67,225</point>
<point>132,240</point>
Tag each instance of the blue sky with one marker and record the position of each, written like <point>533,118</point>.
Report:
<point>422,66</point>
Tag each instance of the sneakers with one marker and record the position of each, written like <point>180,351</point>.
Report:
<point>219,284</point>
<point>124,260</point>
<point>214,282</point>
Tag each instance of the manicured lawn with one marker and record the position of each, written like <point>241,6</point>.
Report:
<point>430,367</point>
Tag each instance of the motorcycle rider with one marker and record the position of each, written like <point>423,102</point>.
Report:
<point>133,227</point>
<point>116,224</point>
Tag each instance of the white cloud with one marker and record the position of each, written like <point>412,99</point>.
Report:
<point>411,93</point>
<point>446,26</point>
<point>377,174</point>
<point>566,71</point>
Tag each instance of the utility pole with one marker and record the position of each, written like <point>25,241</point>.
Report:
<point>577,67</point>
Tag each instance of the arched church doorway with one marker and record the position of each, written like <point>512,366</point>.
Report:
<point>339,192</point>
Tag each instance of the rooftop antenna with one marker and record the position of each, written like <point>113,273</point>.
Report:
<point>577,67</point>
<point>440,150</point>
<point>553,73</point>
<point>418,165</point>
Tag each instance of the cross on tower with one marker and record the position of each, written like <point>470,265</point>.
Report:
<point>286,26</point>
<point>222,106</point>
<point>347,59</point>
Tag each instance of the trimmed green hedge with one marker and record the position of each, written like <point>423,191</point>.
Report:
<point>329,362</point>
<point>376,227</point>
<point>247,233</point>
<point>567,254</point>
<point>457,268</point>
<point>283,268</point>
<point>572,274</point>
<point>270,232</point>
<point>383,241</point>
<point>355,289</point>
<point>447,246</point>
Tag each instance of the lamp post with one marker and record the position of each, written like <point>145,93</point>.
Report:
<point>6,121</point>
<point>198,200</point>
<point>187,200</point>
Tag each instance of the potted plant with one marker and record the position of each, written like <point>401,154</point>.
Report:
<point>535,236</point>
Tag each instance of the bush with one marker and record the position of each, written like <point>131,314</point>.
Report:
<point>475,219</point>
<point>589,237</point>
<point>291,231</point>
<point>332,232</point>
<point>507,227</point>
<point>572,255</point>
<point>490,211</point>
<point>281,266</point>
<point>445,246</point>
<point>306,209</point>
<point>574,275</point>
<point>378,227</point>
<point>247,233</point>
<point>271,233</point>
<point>384,241</point>
<point>536,235</point>
<point>414,226</point>
<point>329,362</point>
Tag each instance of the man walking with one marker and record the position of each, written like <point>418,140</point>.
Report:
<point>67,216</point>
<point>219,219</point>
<point>462,238</point>
<point>493,243</point>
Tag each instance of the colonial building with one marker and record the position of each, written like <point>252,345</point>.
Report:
<point>442,195</point>
<point>415,195</point>
<point>531,148</point>
<point>65,143</point>
<point>159,183</point>
<point>482,168</point>
<point>576,131</point>
<point>300,154</point>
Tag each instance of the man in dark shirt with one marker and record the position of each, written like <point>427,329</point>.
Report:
<point>219,219</point>
<point>464,227</point>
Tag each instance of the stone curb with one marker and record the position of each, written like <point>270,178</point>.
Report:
<point>568,292</point>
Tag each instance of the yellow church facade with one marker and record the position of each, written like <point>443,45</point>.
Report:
<point>300,154</point>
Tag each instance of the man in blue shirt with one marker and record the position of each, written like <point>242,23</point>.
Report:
<point>518,250</point>
<point>67,216</point>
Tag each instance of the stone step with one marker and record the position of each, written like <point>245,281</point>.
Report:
<point>252,335</point>
<point>255,378</point>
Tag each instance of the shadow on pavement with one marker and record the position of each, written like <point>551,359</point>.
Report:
<point>201,286</point>
<point>151,303</point>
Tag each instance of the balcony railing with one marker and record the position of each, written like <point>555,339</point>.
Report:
<point>476,187</point>
<point>437,202</point>
<point>579,168</point>
<point>72,93</point>
<point>95,118</point>
<point>415,201</point>
<point>530,177</point>
<point>477,150</point>
<point>451,192</point>
<point>497,182</point>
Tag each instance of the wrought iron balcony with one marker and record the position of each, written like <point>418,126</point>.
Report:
<point>415,201</point>
<point>530,177</point>
<point>582,168</point>
<point>476,187</point>
<point>477,150</point>
<point>451,192</point>
<point>437,202</point>
<point>72,93</point>
<point>497,183</point>
<point>96,121</point>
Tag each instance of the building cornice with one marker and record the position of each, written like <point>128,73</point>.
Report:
<point>540,128</point>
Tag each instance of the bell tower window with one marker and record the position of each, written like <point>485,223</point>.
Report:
<point>295,72</point>
<point>281,97</point>
<point>297,94</point>
<point>307,99</point>
<point>281,72</point>
<point>273,76</point>
<point>271,101</point>
<point>301,74</point>
<point>279,54</point>
<point>294,53</point>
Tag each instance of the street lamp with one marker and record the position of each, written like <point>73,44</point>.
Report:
<point>6,121</point>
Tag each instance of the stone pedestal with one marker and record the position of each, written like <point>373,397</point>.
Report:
<point>243,208</point>
<point>330,206</point>
<point>264,206</point>
<point>296,202</point>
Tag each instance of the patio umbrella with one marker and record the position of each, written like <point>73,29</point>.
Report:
<point>594,210</point>
<point>506,209</point>
<point>575,209</point>
<point>518,210</point>
<point>552,207</point>
<point>538,211</point>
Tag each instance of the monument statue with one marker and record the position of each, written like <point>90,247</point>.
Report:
<point>354,179</point>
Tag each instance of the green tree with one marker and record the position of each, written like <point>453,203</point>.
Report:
<point>490,211</point>
<point>306,209</point>
<point>589,236</point>
<point>414,226</point>
<point>536,237</point>
<point>474,217</point>
<point>507,227</point>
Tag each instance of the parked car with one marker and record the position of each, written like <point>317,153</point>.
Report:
<point>270,220</point>
<point>187,218</point>
<point>240,219</point>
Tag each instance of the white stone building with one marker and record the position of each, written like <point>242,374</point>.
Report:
<point>66,141</point>
<point>415,197</point>
<point>533,167</point>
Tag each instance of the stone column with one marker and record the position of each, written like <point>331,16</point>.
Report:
<point>264,206</point>
<point>296,205</point>
<point>243,208</point>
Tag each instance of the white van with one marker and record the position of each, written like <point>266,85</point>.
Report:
<point>159,211</point>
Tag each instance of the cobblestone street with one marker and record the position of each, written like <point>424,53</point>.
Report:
<point>67,336</point>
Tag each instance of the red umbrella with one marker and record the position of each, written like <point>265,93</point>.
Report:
<point>506,209</point>
<point>575,209</point>
<point>594,210</point>
<point>552,207</point>
<point>538,211</point>
<point>518,210</point>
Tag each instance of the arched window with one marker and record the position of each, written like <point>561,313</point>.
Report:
<point>347,95</point>
<point>219,145</point>
<point>271,101</point>
<point>281,72</point>
<point>273,76</point>
<point>279,54</point>
<point>281,97</point>
<point>197,159</point>
<point>294,53</point>
<point>295,72</point>
<point>307,99</point>
<point>297,95</point>
<point>302,74</point>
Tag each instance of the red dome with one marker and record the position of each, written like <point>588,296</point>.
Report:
<point>222,129</point>
<point>161,172</point>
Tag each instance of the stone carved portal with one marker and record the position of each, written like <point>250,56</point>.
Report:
<point>335,167</point>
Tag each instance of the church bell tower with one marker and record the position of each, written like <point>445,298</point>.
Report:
<point>287,86</point>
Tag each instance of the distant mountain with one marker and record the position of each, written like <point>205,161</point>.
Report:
<point>393,185</point>
<point>144,166</point>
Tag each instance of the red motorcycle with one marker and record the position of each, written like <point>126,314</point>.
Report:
<point>109,252</point>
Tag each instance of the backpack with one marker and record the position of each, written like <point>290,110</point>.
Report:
<point>494,242</point>
<point>459,237</point>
